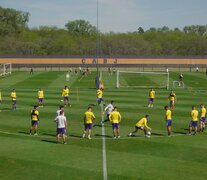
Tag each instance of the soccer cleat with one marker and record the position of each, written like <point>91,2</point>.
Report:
<point>84,135</point>
<point>118,137</point>
<point>35,134</point>
<point>147,136</point>
<point>89,137</point>
<point>130,134</point>
<point>114,137</point>
<point>64,142</point>
<point>189,134</point>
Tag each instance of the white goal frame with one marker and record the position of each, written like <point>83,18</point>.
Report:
<point>178,84</point>
<point>135,72</point>
<point>6,69</point>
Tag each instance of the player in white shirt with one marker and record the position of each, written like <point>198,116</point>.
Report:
<point>61,126</point>
<point>107,110</point>
<point>58,111</point>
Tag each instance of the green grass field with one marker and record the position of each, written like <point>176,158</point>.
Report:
<point>39,157</point>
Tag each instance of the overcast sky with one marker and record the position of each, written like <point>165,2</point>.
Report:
<point>114,15</point>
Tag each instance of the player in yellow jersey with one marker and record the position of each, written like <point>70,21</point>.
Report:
<point>115,119</point>
<point>34,120</point>
<point>14,99</point>
<point>172,99</point>
<point>202,118</point>
<point>142,125</point>
<point>168,120</point>
<point>40,95</point>
<point>151,97</point>
<point>99,94</point>
<point>65,95</point>
<point>194,121</point>
<point>89,117</point>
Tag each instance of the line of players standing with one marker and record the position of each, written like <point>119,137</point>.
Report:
<point>112,115</point>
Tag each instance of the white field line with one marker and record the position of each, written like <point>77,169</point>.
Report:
<point>104,148</point>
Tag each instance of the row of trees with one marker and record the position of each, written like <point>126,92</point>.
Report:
<point>80,38</point>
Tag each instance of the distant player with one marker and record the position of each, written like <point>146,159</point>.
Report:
<point>14,99</point>
<point>65,95</point>
<point>34,120</point>
<point>99,94</point>
<point>89,117</point>
<point>61,126</point>
<point>194,121</point>
<point>109,71</point>
<point>115,119</point>
<point>172,99</point>
<point>31,71</point>
<point>180,80</point>
<point>40,95</point>
<point>202,118</point>
<point>67,76</point>
<point>107,110</point>
<point>168,120</point>
<point>151,97</point>
<point>142,125</point>
<point>101,84</point>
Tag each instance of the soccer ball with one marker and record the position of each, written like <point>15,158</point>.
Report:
<point>149,133</point>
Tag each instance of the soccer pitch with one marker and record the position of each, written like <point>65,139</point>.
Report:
<point>39,157</point>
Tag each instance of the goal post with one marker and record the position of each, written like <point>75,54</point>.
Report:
<point>142,79</point>
<point>5,69</point>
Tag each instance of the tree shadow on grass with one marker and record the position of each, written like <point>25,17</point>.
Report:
<point>49,134</point>
<point>92,105</point>
<point>23,132</point>
<point>76,136</point>
<point>49,141</point>
<point>158,134</point>
<point>181,131</point>
<point>100,135</point>
<point>97,125</point>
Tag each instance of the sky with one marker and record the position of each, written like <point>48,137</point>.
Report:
<point>113,15</point>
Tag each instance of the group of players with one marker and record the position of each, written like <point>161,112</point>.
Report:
<point>142,123</point>
<point>112,115</point>
<point>195,119</point>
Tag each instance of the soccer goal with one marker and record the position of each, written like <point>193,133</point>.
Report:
<point>142,79</point>
<point>178,84</point>
<point>5,69</point>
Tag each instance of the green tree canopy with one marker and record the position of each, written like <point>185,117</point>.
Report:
<point>80,27</point>
<point>12,21</point>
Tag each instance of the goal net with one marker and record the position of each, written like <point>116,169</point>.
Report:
<point>5,69</point>
<point>143,79</point>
